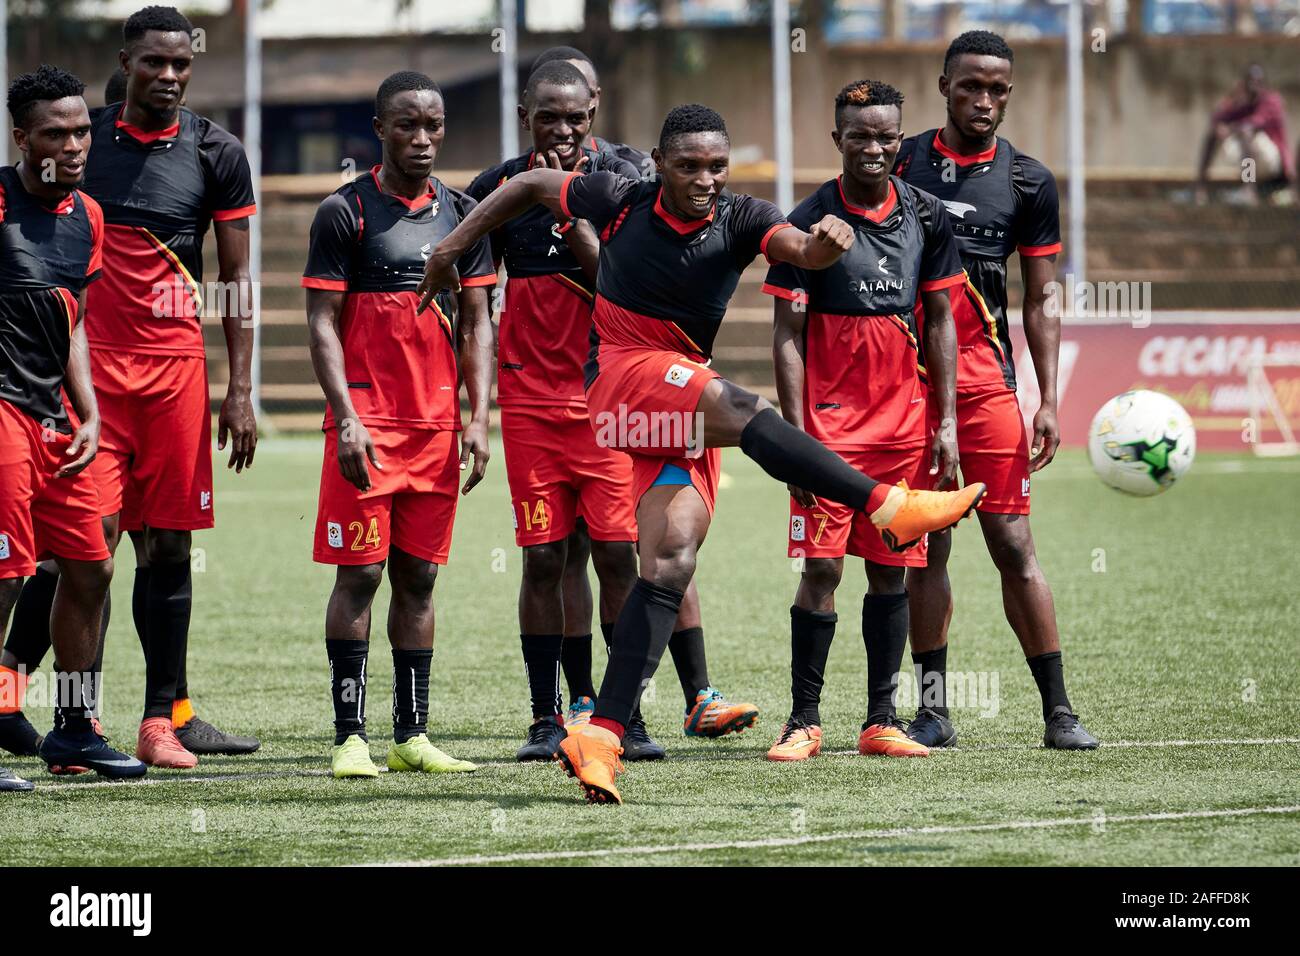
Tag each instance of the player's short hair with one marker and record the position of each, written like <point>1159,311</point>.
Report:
<point>865,93</point>
<point>980,43</point>
<point>45,83</point>
<point>115,88</point>
<point>690,118</point>
<point>403,81</point>
<point>162,19</point>
<point>561,53</point>
<point>556,73</point>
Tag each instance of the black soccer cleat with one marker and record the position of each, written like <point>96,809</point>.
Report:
<point>18,736</point>
<point>638,744</point>
<point>199,737</point>
<point>1064,732</point>
<point>544,738</point>
<point>10,782</point>
<point>64,749</point>
<point>932,729</point>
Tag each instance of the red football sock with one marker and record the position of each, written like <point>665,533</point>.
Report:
<point>877,497</point>
<point>611,725</point>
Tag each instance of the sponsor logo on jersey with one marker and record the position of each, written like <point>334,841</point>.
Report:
<point>679,375</point>
<point>334,534</point>
<point>958,209</point>
<point>881,265</point>
<point>425,251</point>
<point>798,530</point>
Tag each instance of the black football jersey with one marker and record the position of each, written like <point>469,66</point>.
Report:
<point>47,256</point>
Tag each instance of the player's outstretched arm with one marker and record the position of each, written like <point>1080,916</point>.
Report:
<point>81,392</point>
<point>941,369</point>
<point>500,206</point>
<point>1043,333</point>
<point>817,248</point>
<point>237,419</point>
<point>788,322</point>
<point>356,450</point>
<point>474,331</point>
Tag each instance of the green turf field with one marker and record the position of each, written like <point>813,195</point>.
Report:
<point>1181,656</point>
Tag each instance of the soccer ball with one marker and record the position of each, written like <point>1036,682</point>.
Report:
<point>1141,442</point>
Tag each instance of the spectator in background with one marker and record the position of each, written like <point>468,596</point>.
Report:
<point>1250,124</point>
<point>115,89</point>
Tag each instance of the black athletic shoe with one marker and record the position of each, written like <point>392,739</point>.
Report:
<point>63,749</point>
<point>544,738</point>
<point>200,737</point>
<point>638,744</point>
<point>932,729</point>
<point>10,782</point>
<point>18,736</point>
<point>1064,732</point>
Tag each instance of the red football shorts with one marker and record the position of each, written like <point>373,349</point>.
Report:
<point>643,401</point>
<point>42,516</point>
<point>831,529</point>
<point>411,504</point>
<point>155,449</point>
<point>993,447</point>
<point>557,472</point>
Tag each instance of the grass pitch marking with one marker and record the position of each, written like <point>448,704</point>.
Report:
<point>891,833</point>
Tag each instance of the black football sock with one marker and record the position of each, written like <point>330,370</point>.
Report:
<point>167,619</point>
<point>97,671</point>
<point>795,457</point>
<point>71,708</point>
<point>884,631</point>
<point>687,649</point>
<point>410,693</point>
<point>139,606</point>
<point>29,631</point>
<point>1050,678</point>
<point>932,679</point>
<point>348,687</point>
<point>811,634</point>
<point>542,667</point>
<point>575,658</point>
<point>607,632</point>
<point>642,631</point>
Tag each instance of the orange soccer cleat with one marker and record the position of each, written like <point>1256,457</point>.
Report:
<point>712,716</point>
<point>798,741</point>
<point>158,747</point>
<point>591,755</point>
<point>908,514</point>
<point>886,740</point>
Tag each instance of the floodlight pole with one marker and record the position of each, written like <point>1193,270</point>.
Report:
<point>509,79</point>
<point>781,121</point>
<point>253,148</point>
<point>1074,120</point>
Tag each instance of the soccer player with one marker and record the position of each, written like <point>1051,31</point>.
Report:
<point>163,175</point>
<point>1001,201</point>
<point>708,713</point>
<point>671,256</point>
<point>389,477</point>
<point>850,370</point>
<point>51,245</point>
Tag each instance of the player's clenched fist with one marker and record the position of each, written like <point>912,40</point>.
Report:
<point>833,232</point>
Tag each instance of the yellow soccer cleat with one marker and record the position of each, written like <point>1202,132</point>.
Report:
<point>352,759</point>
<point>418,755</point>
<point>798,741</point>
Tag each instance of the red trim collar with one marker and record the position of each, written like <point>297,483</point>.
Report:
<point>875,215</point>
<point>419,202</point>
<point>681,226</point>
<point>147,136</point>
<point>958,158</point>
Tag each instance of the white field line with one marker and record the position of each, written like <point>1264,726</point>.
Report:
<point>892,833</point>
<point>289,774</point>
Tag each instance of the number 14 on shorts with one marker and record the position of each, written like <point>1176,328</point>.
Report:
<point>536,517</point>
